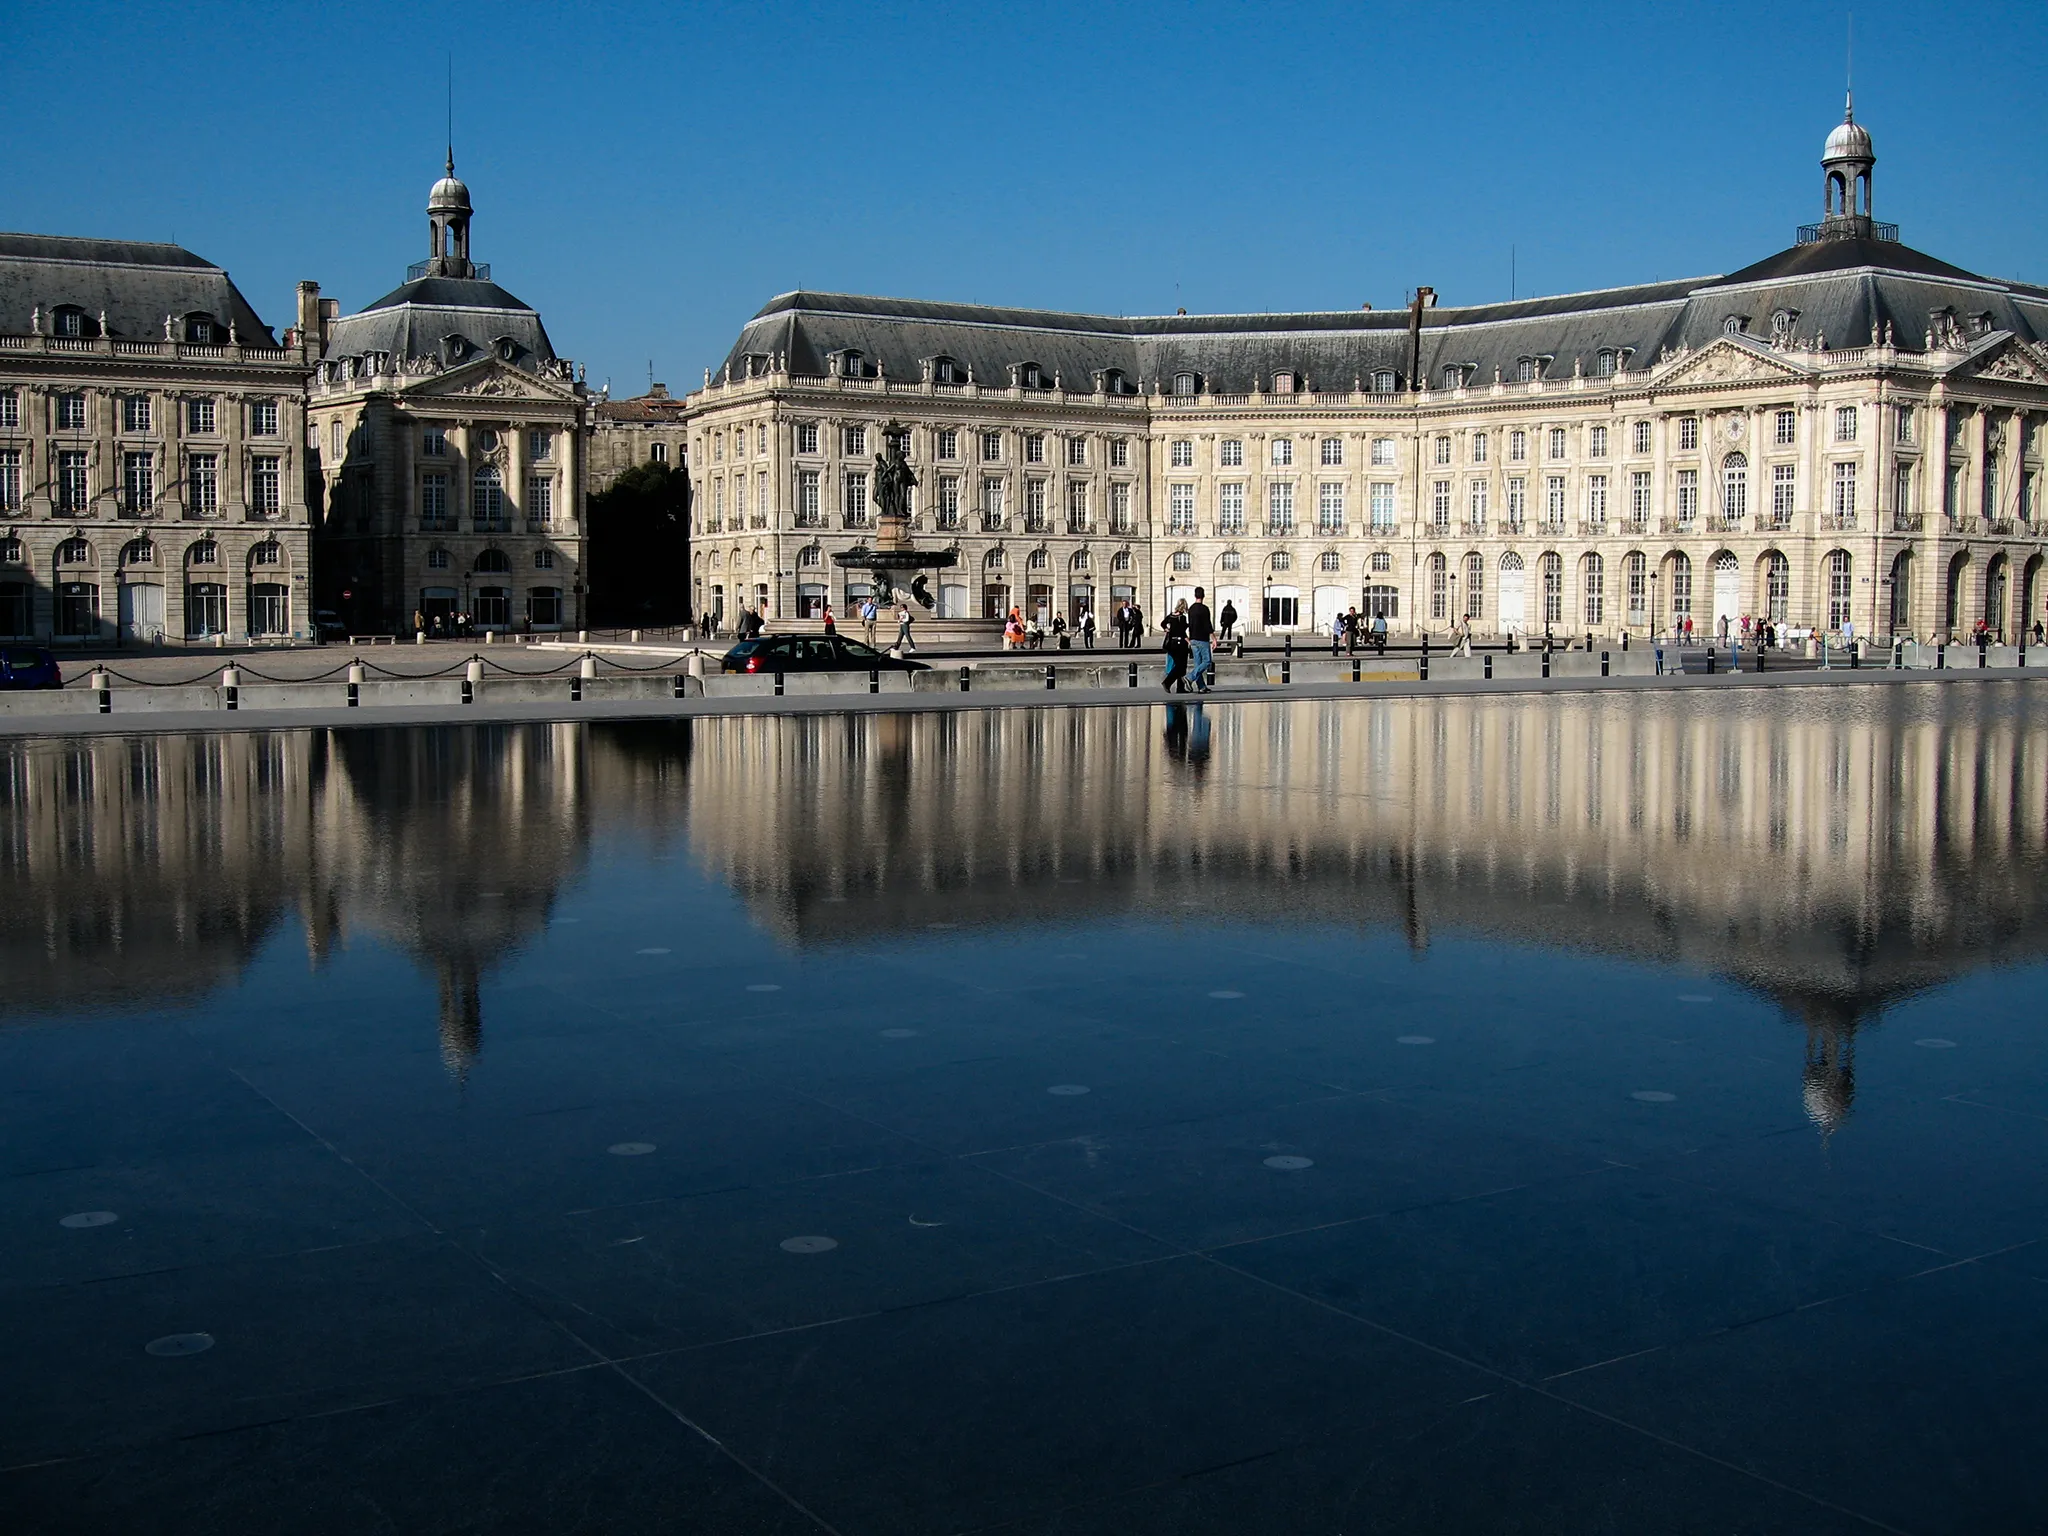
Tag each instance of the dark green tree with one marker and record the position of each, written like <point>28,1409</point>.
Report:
<point>639,550</point>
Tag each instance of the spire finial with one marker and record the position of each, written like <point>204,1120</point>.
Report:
<point>451,114</point>
<point>1849,73</point>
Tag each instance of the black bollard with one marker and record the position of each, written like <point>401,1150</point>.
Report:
<point>874,680</point>
<point>1048,677</point>
<point>679,685</point>
<point>1710,661</point>
<point>778,685</point>
<point>1546,661</point>
<point>1603,663</point>
<point>1134,674</point>
<point>1489,664</point>
<point>967,672</point>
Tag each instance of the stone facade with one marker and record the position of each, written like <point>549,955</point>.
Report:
<point>647,429</point>
<point>451,450</point>
<point>1846,434</point>
<point>152,451</point>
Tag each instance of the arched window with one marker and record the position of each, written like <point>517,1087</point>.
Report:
<point>1603,365</point>
<point>993,560</point>
<point>493,562</point>
<point>1331,560</point>
<point>1383,382</point>
<point>74,551</point>
<point>1283,561</point>
<point>1080,560</point>
<point>1182,560</point>
<point>1777,587</point>
<point>1525,370</point>
<point>269,552</point>
<point>139,552</point>
<point>1120,561</point>
<point>439,560</point>
<point>811,556</point>
<point>1681,587</point>
<point>205,552</point>
<point>1552,567</point>
<point>13,551</point>
<point>1231,560</point>
<point>543,559</point>
<point>1184,384</point>
<point>1839,613</point>
<point>487,496</point>
<point>1593,577</point>
<point>1734,486</point>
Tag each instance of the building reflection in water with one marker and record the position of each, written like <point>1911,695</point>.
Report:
<point>1835,850</point>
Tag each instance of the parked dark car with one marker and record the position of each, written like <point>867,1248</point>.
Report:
<point>27,666</point>
<point>813,653</point>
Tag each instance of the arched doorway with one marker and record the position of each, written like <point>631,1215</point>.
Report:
<point>1994,595</point>
<point>1775,572</point>
<point>2029,613</point>
<point>1902,593</point>
<point>1679,565</point>
<point>1952,606</point>
<point>1727,593</point>
<point>1513,610</point>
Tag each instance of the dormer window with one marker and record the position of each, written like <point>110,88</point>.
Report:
<point>1527,369</point>
<point>1113,382</point>
<point>506,348</point>
<point>1030,376</point>
<point>1184,384</point>
<point>1454,377</point>
<point>946,371</point>
<point>852,365</point>
<point>201,331</point>
<point>1603,364</point>
<point>1384,382</point>
<point>1980,325</point>
<point>1283,383</point>
<point>1734,325</point>
<point>68,320</point>
<point>1782,321</point>
<point>453,349</point>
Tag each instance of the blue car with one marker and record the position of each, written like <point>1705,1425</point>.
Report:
<point>26,666</point>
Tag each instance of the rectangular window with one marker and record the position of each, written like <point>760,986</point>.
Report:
<point>949,443</point>
<point>434,501</point>
<point>739,498</point>
<point>71,413</point>
<point>1557,442</point>
<point>138,481</point>
<point>1119,453</point>
<point>1596,500</point>
<point>1034,447</point>
<point>761,499</point>
<point>1553,500</point>
<point>10,479</point>
<point>1330,507</point>
<point>1439,587</point>
<point>433,442</point>
<point>1333,451</point>
<point>1077,506</point>
<point>540,497</point>
<point>1230,508</point>
<point>853,441</point>
<point>1077,451</point>
<point>1476,504</point>
<point>1786,431</point>
<point>949,501</point>
<point>854,498</point>
<point>1230,453</point>
<point>200,417</point>
<point>1596,590</point>
<point>1382,508</point>
<point>74,488</point>
<point>263,418</point>
<point>1639,496</point>
<point>10,410</point>
<point>810,499</point>
<point>991,447</point>
<point>1902,492</point>
<point>1641,433</point>
<point>1518,500</point>
<point>717,505</point>
<point>540,444</point>
<point>807,437</point>
<point>1120,507</point>
<point>1280,507</point>
<point>1518,446</point>
<point>202,484</point>
<point>1383,452</point>
<point>1784,487</point>
<point>1182,453</point>
<point>992,494</point>
<point>1443,450</point>
<point>334,439</point>
<point>1596,442</point>
<point>264,485</point>
<point>1905,424</point>
<point>1637,570</point>
<point>1842,494</point>
<point>1478,447</point>
<point>1283,452</point>
<point>1688,434</point>
<point>1440,504</point>
<point>1838,590</point>
<point>1845,424</point>
<point>1180,508</point>
<point>135,413</point>
<point>1688,495</point>
<point>657,453</point>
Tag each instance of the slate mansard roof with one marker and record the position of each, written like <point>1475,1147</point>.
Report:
<point>416,318</point>
<point>135,283</point>
<point>1836,290</point>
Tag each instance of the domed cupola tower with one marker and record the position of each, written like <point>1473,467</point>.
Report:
<point>1847,162</point>
<point>448,216</point>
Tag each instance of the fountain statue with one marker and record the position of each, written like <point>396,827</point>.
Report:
<point>893,553</point>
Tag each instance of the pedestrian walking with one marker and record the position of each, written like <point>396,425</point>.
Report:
<point>1137,626</point>
<point>1228,620</point>
<point>1177,648</point>
<point>1087,629</point>
<point>903,617</point>
<point>1379,633</point>
<point>1201,647</point>
<point>1464,646</point>
<point>1351,622</point>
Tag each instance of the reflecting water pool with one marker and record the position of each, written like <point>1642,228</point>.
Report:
<point>1552,1114</point>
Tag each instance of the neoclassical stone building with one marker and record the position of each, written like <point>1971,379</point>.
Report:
<point>152,446</point>
<point>645,429</point>
<point>1847,432</point>
<point>450,444</point>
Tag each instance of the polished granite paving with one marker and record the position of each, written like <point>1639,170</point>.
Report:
<point>1160,1217</point>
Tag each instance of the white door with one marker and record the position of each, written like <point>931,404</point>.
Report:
<point>1727,594</point>
<point>142,612</point>
<point>1239,598</point>
<point>1329,603</point>
<point>1513,619</point>
<point>952,602</point>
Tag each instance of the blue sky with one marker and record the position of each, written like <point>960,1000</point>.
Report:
<point>647,177</point>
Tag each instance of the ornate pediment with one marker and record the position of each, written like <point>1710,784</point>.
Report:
<point>489,378</point>
<point>2013,363</point>
<point>1728,361</point>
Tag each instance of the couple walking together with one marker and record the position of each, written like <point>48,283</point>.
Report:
<point>1190,653</point>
